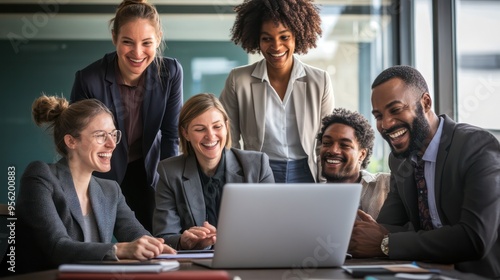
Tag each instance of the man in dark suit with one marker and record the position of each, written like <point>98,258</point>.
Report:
<point>451,213</point>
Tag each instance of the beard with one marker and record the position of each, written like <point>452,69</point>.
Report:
<point>337,177</point>
<point>343,176</point>
<point>419,131</point>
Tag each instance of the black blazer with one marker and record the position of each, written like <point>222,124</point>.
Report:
<point>161,107</point>
<point>467,190</point>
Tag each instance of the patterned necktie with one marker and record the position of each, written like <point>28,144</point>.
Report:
<point>423,205</point>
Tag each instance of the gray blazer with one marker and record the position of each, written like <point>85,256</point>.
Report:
<point>180,204</point>
<point>467,190</point>
<point>245,104</point>
<point>50,218</point>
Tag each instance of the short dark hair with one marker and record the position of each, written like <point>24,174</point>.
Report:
<point>362,129</point>
<point>300,16</point>
<point>410,76</point>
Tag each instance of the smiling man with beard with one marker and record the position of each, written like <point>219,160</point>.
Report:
<point>346,146</point>
<point>458,188</point>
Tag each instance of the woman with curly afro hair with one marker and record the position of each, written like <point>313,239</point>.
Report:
<point>276,104</point>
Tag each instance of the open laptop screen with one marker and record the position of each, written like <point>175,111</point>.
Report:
<point>285,225</point>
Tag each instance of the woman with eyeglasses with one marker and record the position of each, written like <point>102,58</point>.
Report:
<point>64,213</point>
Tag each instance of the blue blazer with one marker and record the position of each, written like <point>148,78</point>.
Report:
<point>180,203</point>
<point>467,193</point>
<point>50,219</point>
<point>161,107</point>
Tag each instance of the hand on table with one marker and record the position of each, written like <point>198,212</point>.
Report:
<point>144,248</point>
<point>198,237</point>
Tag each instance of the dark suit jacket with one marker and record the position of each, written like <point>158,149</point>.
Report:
<point>50,219</point>
<point>180,203</point>
<point>467,190</point>
<point>161,106</point>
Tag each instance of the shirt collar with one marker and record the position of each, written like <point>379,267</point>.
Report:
<point>366,176</point>
<point>432,150</point>
<point>219,173</point>
<point>260,71</point>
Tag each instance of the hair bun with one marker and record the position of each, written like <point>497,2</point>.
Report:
<point>46,109</point>
<point>131,2</point>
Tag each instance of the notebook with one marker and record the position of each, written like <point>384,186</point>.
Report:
<point>284,225</point>
<point>120,267</point>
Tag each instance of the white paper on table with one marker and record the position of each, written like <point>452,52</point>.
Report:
<point>120,267</point>
<point>186,256</point>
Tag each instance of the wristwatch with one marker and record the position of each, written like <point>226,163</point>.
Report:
<point>384,246</point>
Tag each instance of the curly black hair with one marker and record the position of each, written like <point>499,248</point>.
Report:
<point>300,16</point>
<point>362,129</point>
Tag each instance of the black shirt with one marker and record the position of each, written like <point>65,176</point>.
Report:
<point>212,190</point>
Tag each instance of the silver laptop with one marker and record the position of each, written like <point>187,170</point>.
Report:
<point>284,225</point>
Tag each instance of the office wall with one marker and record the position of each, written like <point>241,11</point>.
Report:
<point>49,67</point>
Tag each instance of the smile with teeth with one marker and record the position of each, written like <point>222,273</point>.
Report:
<point>212,144</point>
<point>137,60</point>
<point>397,133</point>
<point>278,54</point>
<point>105,155</point>
<point>333,161</point>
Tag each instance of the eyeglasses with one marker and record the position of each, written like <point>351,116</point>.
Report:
<point>101,136</point>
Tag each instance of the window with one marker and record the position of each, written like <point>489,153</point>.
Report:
<point>478,63</point>
<point>43,45</point>
<point>356,45</point>
<point>424,58</point>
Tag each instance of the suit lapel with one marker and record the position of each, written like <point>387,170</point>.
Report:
<point>444,143</point>
<point>153,104</point>
<point>119,107</point>
<point>406,176</point>
<point>300,103</point>
<point>259,105</point>
<point>98,204</point>
<point>70,195</point>
<point>151,86</point>
<point>234,174</point>
<point>259,99</point>
<point>193,190</point>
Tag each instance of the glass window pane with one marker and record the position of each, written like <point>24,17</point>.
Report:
<point>478,68</point>
<point>424,55</point>
<point>356,45</point>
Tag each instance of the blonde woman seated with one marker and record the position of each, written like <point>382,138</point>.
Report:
<point>67,215</point>
<point>190,188</point>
